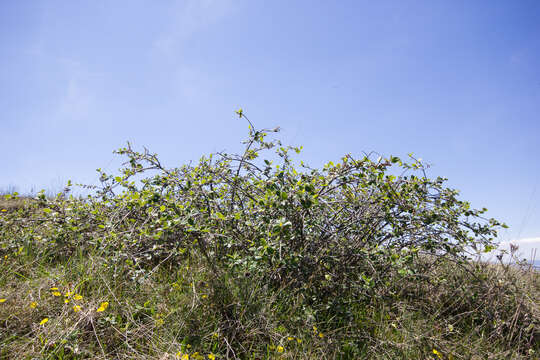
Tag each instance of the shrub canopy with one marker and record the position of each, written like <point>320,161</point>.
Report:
<point>294,224</point>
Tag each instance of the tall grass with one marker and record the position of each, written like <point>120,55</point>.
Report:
<point>471,310</point>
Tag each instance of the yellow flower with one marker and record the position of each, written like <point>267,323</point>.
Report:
<point>212,356</point>
<point>439,355</point>
<point>33,304</point>
<point>2,300</point>
<point>66,301</point>
<point>321,335</point>
<point>77,297</point>
<point>314,328</point>
<point>44,321</point>
<point>204,296</point>
<point>4,210</point>
<point>76,308</point>
<point>290,338</point>
<point>69,293</point>
<point>103,306</point>
<point>299,341</point>
<point>280,349</point>
<point>57,293</point>
<point>54,289</point>
<point>181,356</point>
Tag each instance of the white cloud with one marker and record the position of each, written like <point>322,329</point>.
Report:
<point>528,248</point>
<point>533,240</point>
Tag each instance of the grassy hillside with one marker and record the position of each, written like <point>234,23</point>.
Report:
<point>238,257</point>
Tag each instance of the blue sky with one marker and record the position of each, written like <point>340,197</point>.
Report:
<point>455,82</point>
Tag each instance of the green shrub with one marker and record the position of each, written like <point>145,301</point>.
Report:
<point>284,250</point>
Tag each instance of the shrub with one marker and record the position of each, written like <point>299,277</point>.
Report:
<point>306,248</point>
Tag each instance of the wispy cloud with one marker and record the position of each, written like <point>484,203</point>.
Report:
<point>527,247</point>
<point>80,96</point>
<point>76,97</point>
<point>532,240</point>
<point>76,101</point>
<point>189,17</point>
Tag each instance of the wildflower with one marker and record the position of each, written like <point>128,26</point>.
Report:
<point>204,296</point>
<point>77,297</point>
<point>44,321</point>
<point>4,210</point>
<point>439,355</point>
<point>321,335</point>
<point>76,308</point>
<point>290,338</point>
<point>66,301</point>
<point>2,300</point>
<point>103,306</point>
<point>69,293</point>
<point>57,293</point>
<point>212,356</point>
<point>280,349</point>
<point>181,356</point>
<point>314,328</point>
<point>33,304</point>
<point>299,341</point>
<point>54,289</point>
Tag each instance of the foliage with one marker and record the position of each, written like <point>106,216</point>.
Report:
<point>263,247</point>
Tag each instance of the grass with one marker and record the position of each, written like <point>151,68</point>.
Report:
<point>12,204</point>
<point>471,311</point>
<point>168,314</point>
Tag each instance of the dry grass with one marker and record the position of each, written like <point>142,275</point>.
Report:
<point>12,204</point>
<point>478,311</point>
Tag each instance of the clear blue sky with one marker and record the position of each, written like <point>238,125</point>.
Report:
<point>455,82</point>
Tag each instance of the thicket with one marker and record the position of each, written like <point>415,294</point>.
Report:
<point>257,255</point>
